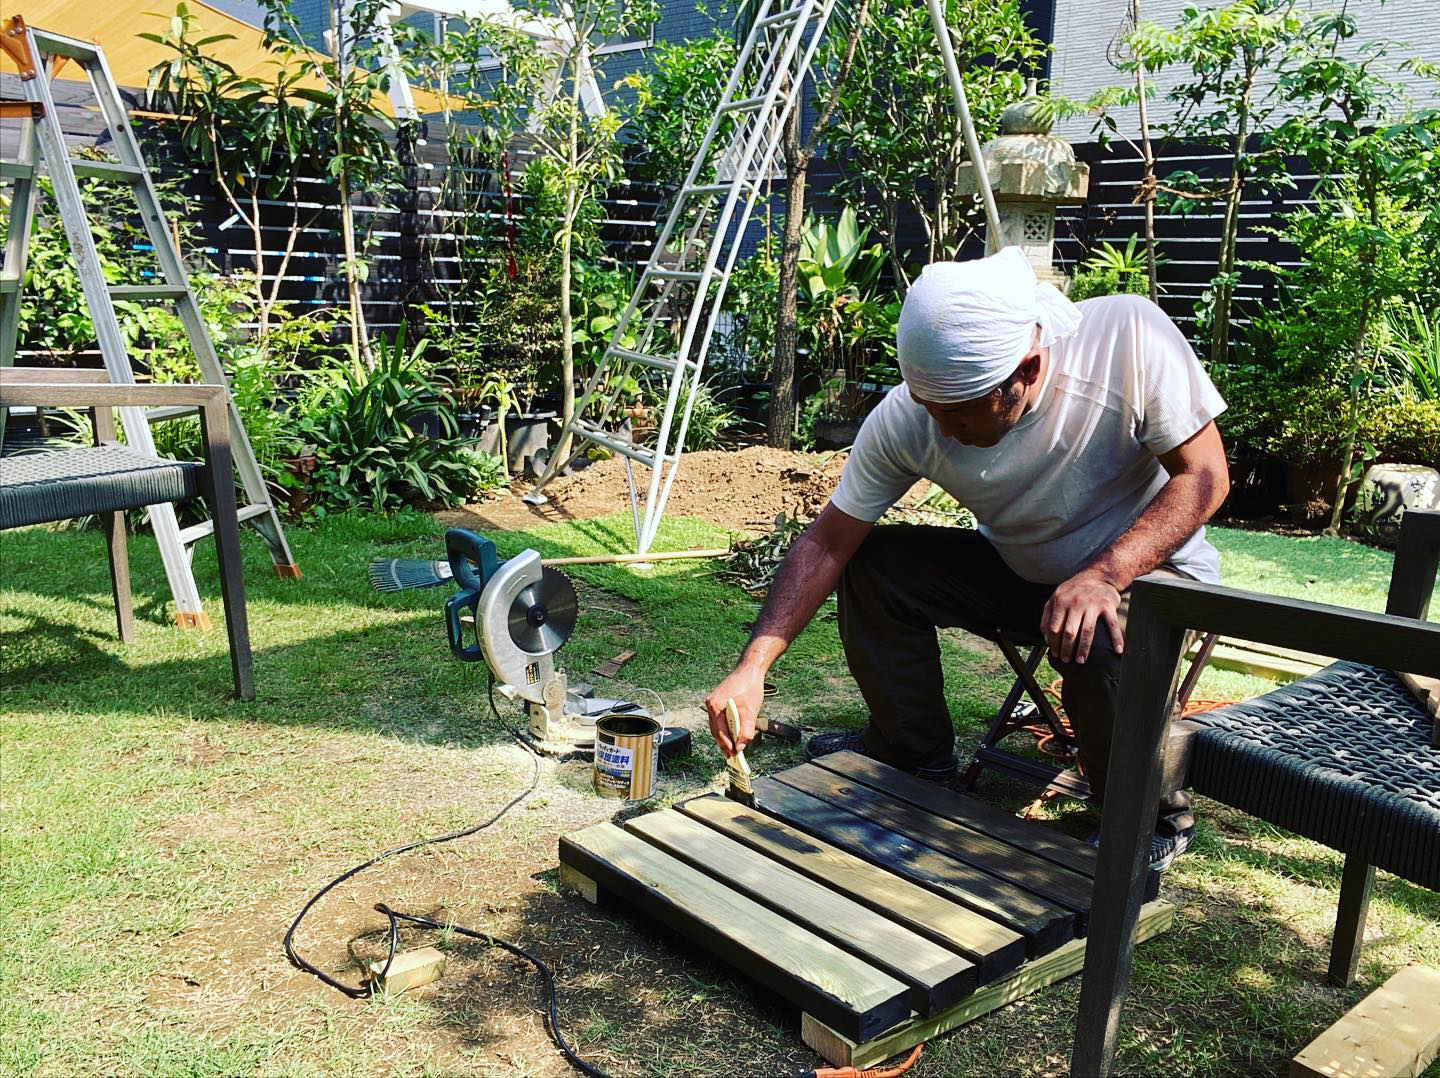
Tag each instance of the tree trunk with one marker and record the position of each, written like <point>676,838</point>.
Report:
<point>359,337</point>
<point>1220,326</point>
<point>567,316</point>
<point>1344,480</point>
<point>780,423</point>
<point>1148,184</point>
<point>1352,421</point>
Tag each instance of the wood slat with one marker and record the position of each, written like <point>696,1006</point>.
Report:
<point>1044,925</point>
<point>1395,1030</point>
<point>845,992</point>
<point>937,978</point>
<point>970,812</point>
<point>994,949</point>
<point>842,1051</point>
<point>1048,881</point>
<point>1380,639</point>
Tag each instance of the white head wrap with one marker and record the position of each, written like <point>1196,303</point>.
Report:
<point>965,326</point>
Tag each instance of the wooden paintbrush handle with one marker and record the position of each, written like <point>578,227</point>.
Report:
<point>732,720</point>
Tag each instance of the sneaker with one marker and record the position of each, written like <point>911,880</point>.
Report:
<point>854,741</point>
<point>1163,848</point>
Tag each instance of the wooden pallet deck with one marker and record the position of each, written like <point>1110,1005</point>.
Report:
<point>888,909</point>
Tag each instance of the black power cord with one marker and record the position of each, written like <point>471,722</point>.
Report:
<point>365,991</point>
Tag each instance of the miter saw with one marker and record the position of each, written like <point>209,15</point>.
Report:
<point>523,612</point>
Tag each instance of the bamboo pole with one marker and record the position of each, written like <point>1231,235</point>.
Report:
<point>623,559</point>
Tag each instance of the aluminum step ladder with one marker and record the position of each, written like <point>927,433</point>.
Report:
<point>673,311</point>
<point>681,290</point>
<point>39,54</point>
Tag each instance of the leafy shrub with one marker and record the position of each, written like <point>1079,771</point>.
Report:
<point>368,426</point>
<point>1412,349</point>
<point>1114,271</point>
<point>1089,283</point>
<point>1297,418</point>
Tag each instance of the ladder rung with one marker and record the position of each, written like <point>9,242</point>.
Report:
<point>156,415</point>
<point>615,445</point>
<point>106,170</point>
<point>789,15</point>
<point>59,45</point>
<point>147,291</point>
<point>680,275</point>
<point>661,363</point>
<point>9,286</point>
<point>714,188</point>
<point>207,527</point>
<point>745,104</point>
<point>15,170</point>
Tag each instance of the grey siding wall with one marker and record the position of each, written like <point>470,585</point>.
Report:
<point>1085,28</point>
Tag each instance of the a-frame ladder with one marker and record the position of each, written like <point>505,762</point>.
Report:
<point>678,299</point>
<point>42,145</point>
<point>673,311</point>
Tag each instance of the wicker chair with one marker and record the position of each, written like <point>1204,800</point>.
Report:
<point>108,479</point>
<point>1344,757</point>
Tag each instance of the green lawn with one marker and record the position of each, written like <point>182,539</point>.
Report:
<point>157,836</point>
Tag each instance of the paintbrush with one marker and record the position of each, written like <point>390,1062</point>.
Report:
<point>740,788</point>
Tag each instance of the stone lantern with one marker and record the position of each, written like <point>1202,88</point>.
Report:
<point>1031,172</point>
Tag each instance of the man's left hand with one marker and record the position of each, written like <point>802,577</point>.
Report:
<point>1075,613</point>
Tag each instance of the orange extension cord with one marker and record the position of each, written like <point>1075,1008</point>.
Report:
<point>855,1072</point>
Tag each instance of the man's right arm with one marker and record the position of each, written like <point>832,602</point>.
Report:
<point>808,574</point>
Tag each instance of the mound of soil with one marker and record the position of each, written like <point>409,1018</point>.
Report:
<point>741,489</point>
<point>737,489</point>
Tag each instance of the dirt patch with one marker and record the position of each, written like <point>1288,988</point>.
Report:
<point>738,490</point>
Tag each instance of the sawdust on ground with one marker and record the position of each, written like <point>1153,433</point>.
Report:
<point>739,490</point>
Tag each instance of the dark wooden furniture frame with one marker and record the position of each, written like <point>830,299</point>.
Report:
<point>1162,610</point>
<point>88,390</point>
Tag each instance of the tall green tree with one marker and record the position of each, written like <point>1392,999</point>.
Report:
<point>255,138</point>
<point>1370,239</point>
<point>352,124</point>
<point>1224,101</point>
<point>895,132</point>
<point>577,152</point>
<point>833,71</point>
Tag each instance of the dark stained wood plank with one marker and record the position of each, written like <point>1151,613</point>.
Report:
<point>800,966</point>
<point>1050,882</point>
<point>994,949</point>
<point>1041,841</point>
<point>1417,556</point>
<point>1147,696</point>
<point>1357,635</point>
<point>1044,925</point>
<point>937,978</point>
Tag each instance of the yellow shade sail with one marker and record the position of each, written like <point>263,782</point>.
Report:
<point>117,24</point>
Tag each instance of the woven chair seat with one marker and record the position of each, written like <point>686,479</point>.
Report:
<point>1343,757</point>
<point>40,487</point>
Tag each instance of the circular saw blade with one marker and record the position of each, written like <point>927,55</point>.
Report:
<point>543,615</point>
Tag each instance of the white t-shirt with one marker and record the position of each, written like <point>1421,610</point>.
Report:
<point>1078,468</point>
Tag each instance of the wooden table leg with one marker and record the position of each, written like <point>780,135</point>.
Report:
<point>1355,886</point>
<point>1147,693</point>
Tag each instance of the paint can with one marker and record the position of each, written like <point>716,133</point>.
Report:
<point>627,755</point>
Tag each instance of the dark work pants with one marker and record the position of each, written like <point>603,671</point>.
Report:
<point>907,580</point>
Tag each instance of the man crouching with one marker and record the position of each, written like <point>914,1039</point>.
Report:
<point>1081,436</point>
